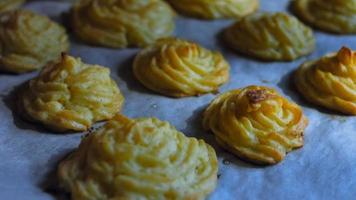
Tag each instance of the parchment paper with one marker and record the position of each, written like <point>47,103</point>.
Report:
<point>325,168</point>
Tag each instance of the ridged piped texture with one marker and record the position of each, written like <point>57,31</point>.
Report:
<point>179,68</point>
<point>71,95</point>
<point>119,24</point>
<point>256,124</point>
<point>330,81</point>
<point>271,36</point>
<point>338,16</point>
<point>139,159</point>
<point>214,9</point>
<point>7,5</point>
<point>29,41</point>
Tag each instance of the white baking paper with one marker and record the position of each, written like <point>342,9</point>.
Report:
<point>325,168</point>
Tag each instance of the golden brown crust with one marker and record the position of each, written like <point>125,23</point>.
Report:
<point>330,81</point>
<point>270,36</point>
<point>257,96</point>
<point>29,41</point>
<point>70,95</point>
<point>119,24</point>
<point>179,68</point>
<point>332,15</point>
<point>256,124</point>
<point>214,9</point>
<point>139,159</point>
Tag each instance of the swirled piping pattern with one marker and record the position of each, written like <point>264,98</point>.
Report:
<point>214,9</point>
<point>29,41</point>
<point>271,36</point>
<point>330,81</point>
<point>180,68</point>
<point>256,124</point>
<point>141,158</point>
<point>119,24</point>
<point>71,95</point>
<point>338,16</point>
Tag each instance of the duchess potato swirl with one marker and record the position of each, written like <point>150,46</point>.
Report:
<point>71,95</point>
<point>256,124</point>
<point>214,9</point>
<point>338,16</point>
<point>119,24</point>
<point>141,158</point>
<point>29,41</point>
<point>271,36</point>
<point>179,68</point>
<point>330,81</point>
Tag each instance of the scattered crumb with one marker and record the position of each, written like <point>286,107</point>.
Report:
<point>226,162</point>
<point>91,130</point>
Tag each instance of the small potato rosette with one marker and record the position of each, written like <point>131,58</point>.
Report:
<point>271,37</point>
<point>330,81</point>
<point>337,16</point>
<point>256,123</point>
<point>142,158</point>
<point>122,24</point>
<point>29,41</point>
<point>69,95</point>
<point>215,9</point>
<point>179,68</point>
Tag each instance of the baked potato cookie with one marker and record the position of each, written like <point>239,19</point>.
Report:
<point>270,36</point>
<point>119,24</point>
<point>70,95</point>
<point>7,5</point>
<point>256,124</point>
<point>330,81</point>
<point>29,41</point>
<point>180,68</point>
<point>141,158</point>
<point>338,16</point>
<point>213,9</point>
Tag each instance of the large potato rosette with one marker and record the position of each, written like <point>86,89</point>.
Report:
<point>330,81</point>
<point>213,9</point>
<point>338,16</point>
<point>7,5</point>
<point>139,159</point>
<point>29,41</point>
<point>71,95</point>
<point>256,124</point>
<point>180,68</point>
<point>119,24</point>
<point>270,36</point>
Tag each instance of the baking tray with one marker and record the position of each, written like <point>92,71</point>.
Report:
<point>325,168</point>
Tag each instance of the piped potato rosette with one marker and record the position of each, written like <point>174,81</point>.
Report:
<point>270,36</point>
<point>338,16</point>
<point>70,95</point>
<point>330,81</point>
<point>180,68</point>
<point>256,124</point>
<point>215,9</point>
<point>141,158</point>
<point>29,41</point>
<point>119,24</point>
